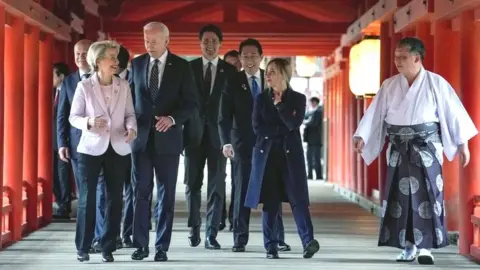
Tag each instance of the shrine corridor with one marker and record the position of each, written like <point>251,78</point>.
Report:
<point>347,234</point>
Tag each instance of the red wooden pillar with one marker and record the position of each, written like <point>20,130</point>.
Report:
<point>2,105</point>
<point>347,137</point>
<point>447,65</point>
<point>354,156</point>
<point>360,163</point>
<point>386,60</point>
<point>423,32</point>
<point>341,131</point>
<point>328,111</point>
<point>394,39</point>
<point>13,129</point>
<point>470,85</point>
<point>45,110</point>
<point>334,143</point>
<point>60,52</point>
<point>371,172</point>
<point>30,126</point>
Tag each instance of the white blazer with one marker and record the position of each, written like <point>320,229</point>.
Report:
<point>88,101</point>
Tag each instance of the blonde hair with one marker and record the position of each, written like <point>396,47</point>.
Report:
<point>284,66</point>
<point>98,50</point>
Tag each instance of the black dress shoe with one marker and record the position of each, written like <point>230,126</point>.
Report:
<point>140,254</point>
<point>83,256</point>
<point>194,237</point>
<point>272,253</point>
<point>238,248</point>
<point>311,249</point>
<point>211,243</point>
<point>107,257</point>
<point>282,246</point>
<point>161,256</point>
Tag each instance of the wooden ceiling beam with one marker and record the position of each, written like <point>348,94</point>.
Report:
<point>230,12</point>
<point>283,14</point>
<point>248,29</point>
<point>142,2</point>
<point>189,10</point>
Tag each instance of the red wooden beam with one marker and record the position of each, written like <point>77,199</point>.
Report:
<point>230,12</point>
<point>236,38</point>
<point>146,2</point>
<point>186,11</point>
<point>248,29</point>
<point>285,15</point>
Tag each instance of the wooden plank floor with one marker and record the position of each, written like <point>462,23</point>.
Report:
<point>347,234</point>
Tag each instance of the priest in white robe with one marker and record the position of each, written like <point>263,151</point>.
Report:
<point>421,115</point>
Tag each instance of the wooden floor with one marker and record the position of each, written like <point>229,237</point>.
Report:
<point>346,232</point>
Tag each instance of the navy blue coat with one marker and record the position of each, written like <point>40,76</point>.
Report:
<point>67,135</point>
<point>281,120</point>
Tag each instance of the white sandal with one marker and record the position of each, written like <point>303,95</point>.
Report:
<point>406,256</point>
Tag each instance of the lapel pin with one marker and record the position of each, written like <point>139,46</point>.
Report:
<point>221,70</point>
<point>169,64</point>
<point>244,87</point>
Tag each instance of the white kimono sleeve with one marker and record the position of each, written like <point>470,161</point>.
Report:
<point>456,125</point>
<point>372,128</point>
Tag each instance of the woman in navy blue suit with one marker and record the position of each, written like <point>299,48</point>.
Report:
<point>278,164</point>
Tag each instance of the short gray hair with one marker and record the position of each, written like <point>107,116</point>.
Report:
<point>157,26</point>
<point>98,50</point>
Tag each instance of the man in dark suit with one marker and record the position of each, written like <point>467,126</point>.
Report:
<point>312,135</point>
<point>164,98</point>
<point>62,186</point>
<point>211,74</point>
<point>237,136</point>
<point>233,58</point>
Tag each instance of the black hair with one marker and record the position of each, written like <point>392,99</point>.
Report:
<point>232,53</point>
<point>61,68</point>
<point>123,57</point>
<point>251,42</point>
<point>414,45</point>
<point>211,28</point>
<point>315,99</point>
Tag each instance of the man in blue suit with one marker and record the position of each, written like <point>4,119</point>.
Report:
<point>165,97</point>
<point>68,137</point>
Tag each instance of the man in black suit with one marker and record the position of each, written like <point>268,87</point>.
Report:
<point>237,136</point>
<point>211,74</point>
<point>233,58</point>
<point>62,186</point>
<point>312,135</point>
<point>164,97</point>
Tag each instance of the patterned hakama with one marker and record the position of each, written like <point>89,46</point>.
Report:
<point>414,208</point>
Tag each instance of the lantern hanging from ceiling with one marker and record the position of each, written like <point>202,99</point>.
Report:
<point>354,73</point>
<point>306,66</point>
<point>370,65</point>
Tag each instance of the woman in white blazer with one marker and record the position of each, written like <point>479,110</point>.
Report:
<point>102,108</point>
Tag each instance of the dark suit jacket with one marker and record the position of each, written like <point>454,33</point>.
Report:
<point>208,110</point>
<point>67,136</point>
<point>235,117</point>
<point>312,134</point>
<point>177,98</point>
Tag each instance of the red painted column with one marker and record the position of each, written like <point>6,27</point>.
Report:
<point>335,131</point>
<point>371,172</point>
<point>423,32</point>
<point>45,116</point>
<point>447,65</point>
<point>360,163</point>
<point>341,131</point>
<point>2,106</point>
<point>386,59</point>
<point>470,85</point>
<point>13,129</point>
<point>394,39</point>
<point>328,110</point>
<point>354,156</point>
<point>30,126</point>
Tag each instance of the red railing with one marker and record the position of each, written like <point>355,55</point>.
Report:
<point>7,211</point>
<point>475,247</point>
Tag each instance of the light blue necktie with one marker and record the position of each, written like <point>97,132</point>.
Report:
<point>255,88</point>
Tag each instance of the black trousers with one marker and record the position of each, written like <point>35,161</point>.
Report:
<point>62,186</point>
<point>195,160</point>
<point>314,153</point>
<point>115,170</point>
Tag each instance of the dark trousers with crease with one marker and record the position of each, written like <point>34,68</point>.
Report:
<point>273,192</point>
<point>62,185</point>
<point>195,160</point>
<point>166,172</point>
<point>114,167</point>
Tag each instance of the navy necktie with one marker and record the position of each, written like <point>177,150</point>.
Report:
<point>153,84</point>
<point>255,88</point>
